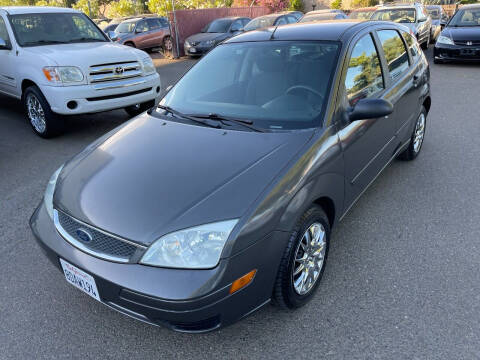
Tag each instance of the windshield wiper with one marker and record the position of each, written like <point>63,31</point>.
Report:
<point>184,116</point>
<point>87,39</point>
<point>44,42</point>
<point>222,119</point>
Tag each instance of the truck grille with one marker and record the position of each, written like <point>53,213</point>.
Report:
<point>94,241</point>
<point>114,71</point>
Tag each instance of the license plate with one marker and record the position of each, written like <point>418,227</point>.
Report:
<point>80,279</point>
<point>471,52</point>
<point>193,50</point>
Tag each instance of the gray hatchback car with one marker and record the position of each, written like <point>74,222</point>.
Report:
<point>199,212</point>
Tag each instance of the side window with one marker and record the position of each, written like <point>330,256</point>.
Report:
<point>395,52</point>
<point>291,19</point>
<point>4,32</point>
<point>236,26</point>
<point>153,24</point>
<point>142,26</point>
<point>163,22</point>
<point>281,21</point>
<point>364,75</point>
<point>412,46</point>
<point>245,21</point>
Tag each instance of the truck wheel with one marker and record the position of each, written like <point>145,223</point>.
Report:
<point>303,261</point>
<point>131,44</point>
<point>43,120</point>
<point>425,44</point>
<point>167,44</point>
<point>137,109</point>
<point>416,140</point>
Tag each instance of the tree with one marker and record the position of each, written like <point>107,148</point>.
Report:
<point>125,8</point>
<point>296,5</point>
<point>273,5</point>
<point>83,5</point>
<point>336,4</point>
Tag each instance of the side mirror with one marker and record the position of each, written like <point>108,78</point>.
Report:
<point>169,87</point>
<point>370,109</point>
<point>4,45</point>
<point>422,19</point>
<point>112,35</point>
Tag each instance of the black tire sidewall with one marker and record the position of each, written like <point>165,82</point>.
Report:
<point>291,298</point>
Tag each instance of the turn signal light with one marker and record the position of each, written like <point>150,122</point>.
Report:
<point>242,281</point>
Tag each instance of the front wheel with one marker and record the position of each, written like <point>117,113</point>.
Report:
<point>45,123</point>
<point>137,109</point>
<point>416,140</point>
<point>303,261</point>
<point>425,44</point>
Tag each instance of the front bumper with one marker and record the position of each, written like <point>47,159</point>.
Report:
<point>444,52</point>
<point>102,96</point>
<point>182,300</point>
<point>197,50</point>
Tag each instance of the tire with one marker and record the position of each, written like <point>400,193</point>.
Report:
<point>285,293</point>
<point>167,44</point>
<point>129,43</point>
<point>414,148</point>
<point>137,109</point>
<point>424,45</point>
<point>437,61</point>
<point>44,122</point>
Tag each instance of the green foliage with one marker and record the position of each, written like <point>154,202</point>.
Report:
<point>468,1</point>
<point>122,8</point>
<point>58,3</point>
<point>16,2</point>
<point>161,7</point>
<point>296,5</point>
<point>336,4</point>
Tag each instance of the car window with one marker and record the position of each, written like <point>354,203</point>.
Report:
<point>281,21</point>
<point>4,32</point>
<point>291,19</point>
<point>153,24</point>
<point>236,25</point>
<point>395,52</point>
<point>364,75</point>
<point>412,46</point>
<point>245,21</point>
<point>395,15</point>
<point>163,22</point>
<point>467,17</point>
<point>142,26</point>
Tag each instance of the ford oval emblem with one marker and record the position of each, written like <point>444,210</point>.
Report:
<point>83,235</point>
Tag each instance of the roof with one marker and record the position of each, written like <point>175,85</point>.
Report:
<point>370,8</point>
<point>15,10</point>
<point>329,30</point>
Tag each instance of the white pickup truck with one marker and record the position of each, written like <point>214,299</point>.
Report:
<point>58,62</point>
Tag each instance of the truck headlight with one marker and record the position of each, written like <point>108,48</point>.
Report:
<point>63,75</point>
<point>148,67</point>
<point>445,40</point>
<point>48,196</point>
<point>198,247</point>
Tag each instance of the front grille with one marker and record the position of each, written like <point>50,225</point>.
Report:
<point>98,243</point>
<point>464,42</point>
<point>114,71</point>
<point>109,97</point>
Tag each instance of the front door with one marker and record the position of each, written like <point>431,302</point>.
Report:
<point>8,81</point>
<point>367,144</point>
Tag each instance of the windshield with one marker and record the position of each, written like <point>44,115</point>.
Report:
<point>276,84</point>
<point>395,15</point>
<point>470,17</point>
<point>54,28</point>
<point>260,23</point>
<point>126,27</point>
<point>218,26</point>
<point>318,17</point>
<point>362,15</point>
<point>434,13</point>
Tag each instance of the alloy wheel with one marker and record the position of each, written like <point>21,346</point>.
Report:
<point>309,258</point>
<point>36,115</point>
<point>419,133</point>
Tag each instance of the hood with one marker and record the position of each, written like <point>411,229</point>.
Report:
<point>152,177</point>
<point>84,55</point>
<point>462,33</point>
<point>200,37</point>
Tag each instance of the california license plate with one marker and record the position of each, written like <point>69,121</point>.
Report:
<point>80,279</point>
<point>193,50</point>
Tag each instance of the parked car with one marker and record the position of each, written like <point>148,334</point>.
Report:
<point>112,25</point>
<point>270,20</point>
<point>144,33</point>
<point>213,33</point>
<point>439,20</point>
<point>362,13</point>
<point>322,16</point>
<point>297,14</point>
<point>325,11</point>
<point>199,212</point>
<point>58,62</point>
<point>414,16</point>
<point>460,39</point>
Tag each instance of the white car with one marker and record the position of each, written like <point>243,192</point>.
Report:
<point>58,62</point>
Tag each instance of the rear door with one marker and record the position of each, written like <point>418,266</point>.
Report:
<point>142,35</point>
<point>367,144</point>
<point>8,80</point>
<point>155,32</point>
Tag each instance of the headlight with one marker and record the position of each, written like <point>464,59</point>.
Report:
<point>187,44</point>
<point>65,75</point>
<point>198,247</point>
<point>148,67</point>
<point>48,196</point>
<point>444,40</point>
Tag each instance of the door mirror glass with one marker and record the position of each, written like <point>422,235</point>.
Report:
<point>370,109</point>
<point>3,44</point>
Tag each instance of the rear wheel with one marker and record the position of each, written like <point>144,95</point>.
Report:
<point>137,109</point>
<point>303,261</point>
<point>131,44</point>
<point>167,44</point>
<point>43,120</point>
<point>416,140</point>
<point>425,44</point>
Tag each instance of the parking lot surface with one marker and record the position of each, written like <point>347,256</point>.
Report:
<point>402,279</point>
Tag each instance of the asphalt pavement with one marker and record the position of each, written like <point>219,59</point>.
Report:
<point>402,279</point>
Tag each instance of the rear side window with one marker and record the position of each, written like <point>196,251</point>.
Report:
<point>281,21</point>
<point>395,52</point>
<point>4,32</point>
<point>412,46</point>
<point>364,75</point>
<point>153,24</point>
<point>142,26</point>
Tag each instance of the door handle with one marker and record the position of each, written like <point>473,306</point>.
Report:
<point>416,80</point>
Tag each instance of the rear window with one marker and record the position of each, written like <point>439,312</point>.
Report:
<point>395,15</point>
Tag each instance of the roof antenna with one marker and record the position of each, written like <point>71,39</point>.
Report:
<point>273,32</point>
